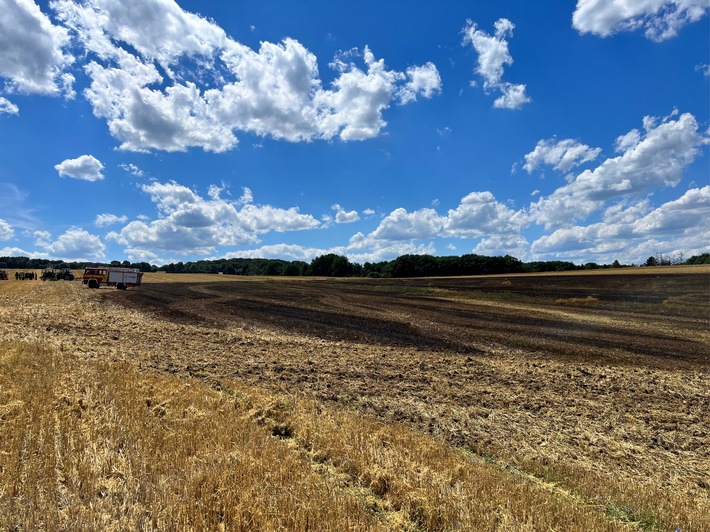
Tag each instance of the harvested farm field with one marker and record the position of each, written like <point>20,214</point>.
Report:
<point>570,401</point>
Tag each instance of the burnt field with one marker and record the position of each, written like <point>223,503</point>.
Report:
<point>642,319</point>
<point>592,387</point>
<point>598,374</point>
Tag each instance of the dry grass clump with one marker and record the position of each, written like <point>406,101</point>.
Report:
<point>646,505</point>
<point>430,485</point>
<point>437,486</point>
<point>98,446</point>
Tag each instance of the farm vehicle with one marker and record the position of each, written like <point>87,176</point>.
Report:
<point>57,274</point>
<point>121,278</point>
<point>3,275</point>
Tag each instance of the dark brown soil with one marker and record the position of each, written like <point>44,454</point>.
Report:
<point>643,320</point>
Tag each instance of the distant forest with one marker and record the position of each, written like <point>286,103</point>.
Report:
<point>332,265</point>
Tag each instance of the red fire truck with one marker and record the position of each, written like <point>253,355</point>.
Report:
<point>121,278</point>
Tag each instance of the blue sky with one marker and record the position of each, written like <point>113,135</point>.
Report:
<point>166,131</point>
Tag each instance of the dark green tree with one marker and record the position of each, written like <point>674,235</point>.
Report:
<point>273,267</point>
<point>340,267</point>
<point>699,259</point>
<point>295,268</point>
<point>331,265</point>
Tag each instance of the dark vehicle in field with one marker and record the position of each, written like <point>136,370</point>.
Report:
<point>57,274</point>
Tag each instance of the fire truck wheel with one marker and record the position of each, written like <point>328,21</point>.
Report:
<point>121,286</point>
<point>93,283</point>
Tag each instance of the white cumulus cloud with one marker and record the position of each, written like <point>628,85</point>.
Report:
<point>659,19</point>
<point>627,212</point>
<point>424,80</point>
<point>6,230</point>
<point>636,232</point>
<point>689,213</point>
<point>655,159</point>
<point>7,107</point>
<point>32,56</point>
<point>480,214</point>
<point>85,167</point>
<point>75,244</point>
<point>353,108</point>
<point>562,155</point>
<point>360,249</point>
<point>151,99</point>
<point>103,220</point>
<point>403,225</point>
<point>16,252</point>
<point>344,217</point>
<point>188,223</point>
<point>513,96</point>
<point>515,245</point>
<point>281,251</point>
<point>363,248</point>
<point>493,57</point>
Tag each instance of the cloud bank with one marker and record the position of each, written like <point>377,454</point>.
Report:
<point>166,79</point>
<point>659,19</point>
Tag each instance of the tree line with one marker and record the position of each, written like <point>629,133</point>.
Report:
<point>332,265</point>
<point>26,263</point>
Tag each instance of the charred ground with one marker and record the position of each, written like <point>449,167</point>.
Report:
<point>642,319</point>
<point>565,375</point>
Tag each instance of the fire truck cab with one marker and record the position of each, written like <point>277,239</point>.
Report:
<point>121,278</point>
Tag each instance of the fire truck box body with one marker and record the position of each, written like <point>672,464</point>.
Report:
<point>121,278</point>
<point>127,278</point>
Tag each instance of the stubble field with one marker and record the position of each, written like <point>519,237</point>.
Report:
<point>503,402</point>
